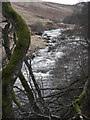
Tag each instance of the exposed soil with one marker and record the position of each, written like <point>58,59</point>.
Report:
<point>37,42</point>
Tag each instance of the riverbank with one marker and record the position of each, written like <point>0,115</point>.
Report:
<point>37,42</point>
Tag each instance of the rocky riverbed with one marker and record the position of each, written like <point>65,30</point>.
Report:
<point>56,58</point>
<point>55,64</point>
<point>58,65</point>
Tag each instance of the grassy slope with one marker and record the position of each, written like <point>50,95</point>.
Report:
<point>44,11</point>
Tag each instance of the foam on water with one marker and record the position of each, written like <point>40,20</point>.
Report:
<point>52,33</point>
<point>45,60</point>
<point>59,54</point>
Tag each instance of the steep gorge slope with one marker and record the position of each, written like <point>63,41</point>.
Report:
<point>44,11</point>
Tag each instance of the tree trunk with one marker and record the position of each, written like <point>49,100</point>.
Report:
<point>11,71</point>
<point>29,93</point>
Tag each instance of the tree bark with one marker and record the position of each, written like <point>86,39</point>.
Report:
<point>11,71</point>
<point>29,93</point>
<point>34,81</point>
<point>6,43</point>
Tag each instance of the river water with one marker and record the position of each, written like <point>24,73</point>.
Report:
<point>52,63</point>
<point>46,59</point>
<point>57,66</point>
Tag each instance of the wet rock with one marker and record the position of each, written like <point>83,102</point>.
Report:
<point>62,37</point>
<point>53,41</point>
<point>48,38</point>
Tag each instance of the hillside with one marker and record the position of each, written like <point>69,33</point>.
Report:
<point>44,11</point>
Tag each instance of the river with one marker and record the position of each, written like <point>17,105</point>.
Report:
<point>55,64</point>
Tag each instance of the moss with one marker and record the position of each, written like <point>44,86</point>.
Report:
<point>6,42</point>
<point>14,65</point>
<point>78,101</point>
<point>77,108</point>
<point>81,97</point>
<point>6,104</point>
<point>22,43</point>
<point>16,101</point>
